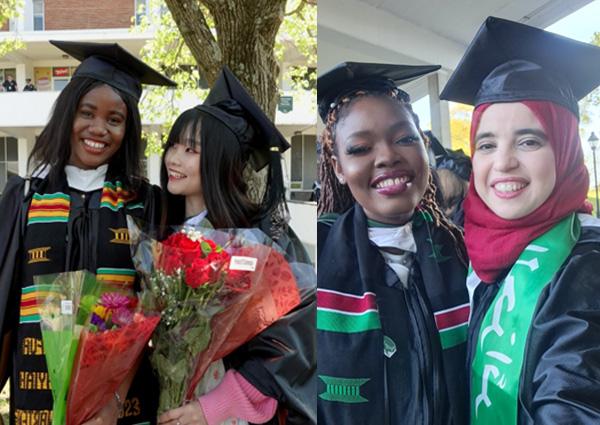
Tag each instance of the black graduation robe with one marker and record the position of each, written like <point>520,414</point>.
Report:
<point>560,379</point>
<point>398,372</point>
<point>83,239</point>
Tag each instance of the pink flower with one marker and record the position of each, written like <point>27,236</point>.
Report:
<point>122,317</point>
<point>114,301</point>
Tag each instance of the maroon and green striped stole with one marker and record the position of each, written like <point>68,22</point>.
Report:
<point>346,313</point>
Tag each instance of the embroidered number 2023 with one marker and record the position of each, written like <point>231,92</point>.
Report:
<point>131,407</point>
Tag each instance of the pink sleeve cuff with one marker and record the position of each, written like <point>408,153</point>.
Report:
<point>235,397</point>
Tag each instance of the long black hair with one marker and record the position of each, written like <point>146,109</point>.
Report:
<point>53,147</point>
<point>222,164</point>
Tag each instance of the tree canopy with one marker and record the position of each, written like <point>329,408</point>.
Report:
<point>9,9</point>
<point>193,39</point>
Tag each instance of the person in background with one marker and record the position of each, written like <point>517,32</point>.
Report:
<point>10,85</point>
<point>29,86</point>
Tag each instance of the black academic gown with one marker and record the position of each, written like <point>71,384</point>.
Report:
<point>80,253</point>
<point>417,381</point>
<point>560,379</point>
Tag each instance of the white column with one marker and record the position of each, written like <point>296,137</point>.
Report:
<point>153,164</point>
<point>23,149</point>
<point>440,113</point>
<point>26,18</point>
<point>21,75</point>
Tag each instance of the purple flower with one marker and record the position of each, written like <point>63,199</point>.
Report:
<point>114,301</point>
<point>97,320</point>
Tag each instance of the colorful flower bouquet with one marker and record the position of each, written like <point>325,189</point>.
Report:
<point>93,334</point>
<point>110,347</point>
<point>215,291</point>
<point>65,302</point>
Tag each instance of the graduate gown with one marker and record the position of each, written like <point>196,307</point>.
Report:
<point>389,353</point>
<point>560,376</point>
<point>72,230</point>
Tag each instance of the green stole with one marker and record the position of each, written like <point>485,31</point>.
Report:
<point>501,343</point>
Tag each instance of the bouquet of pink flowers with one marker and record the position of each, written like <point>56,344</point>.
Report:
<point>109,348</point>
<point>203,282</point>
<point>93,334</point>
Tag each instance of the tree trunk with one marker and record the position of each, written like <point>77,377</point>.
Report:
<point>245,40</point>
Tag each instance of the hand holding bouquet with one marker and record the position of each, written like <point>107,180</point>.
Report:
<point>203,282</point>
<point>110,347</point>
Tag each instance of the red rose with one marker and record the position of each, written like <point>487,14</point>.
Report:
<point>170,260</point>
<point>178,250</point>
<point>181,241</point>
<point>198,273</point>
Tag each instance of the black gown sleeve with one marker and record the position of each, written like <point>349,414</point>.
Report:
<point>10,238</point>
<point>561,380</point>
<point>281,363</point>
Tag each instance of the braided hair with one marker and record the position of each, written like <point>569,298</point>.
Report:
<point>337,198</point>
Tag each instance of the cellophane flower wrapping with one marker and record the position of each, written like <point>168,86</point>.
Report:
<point>65,302</point>
<point>110,347</point>
<point>215,289</point>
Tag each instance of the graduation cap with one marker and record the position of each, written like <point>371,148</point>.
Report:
<point>110,63</point>
<point>230,103</point>
<point>349,77</point>
<point>508,62</point>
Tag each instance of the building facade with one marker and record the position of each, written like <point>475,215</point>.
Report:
<point>23,114</point>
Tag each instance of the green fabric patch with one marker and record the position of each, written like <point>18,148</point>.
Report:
<point>374,223</point>
<point>343,390</point>
<point>389,346</point>
<point>332,321</point>
<point>452,337</point>
<point>502,339</point>
<point>328,218</point>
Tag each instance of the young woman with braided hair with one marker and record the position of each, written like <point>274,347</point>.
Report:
<point>392,303</point>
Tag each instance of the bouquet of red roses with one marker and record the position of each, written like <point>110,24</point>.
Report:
<point>109,348</point>
<point>203,282</point>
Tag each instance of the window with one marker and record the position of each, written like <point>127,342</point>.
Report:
<point>141,10</point>
<point>38,15</point>
<point>303,161</point>
<point>9,165</point>
<point>52,78</point>
<point>7,71</point>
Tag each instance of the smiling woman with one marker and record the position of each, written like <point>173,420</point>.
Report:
<point>512,161</point>
<point>98,128</point>
<point>86,180</point>
<point>392,307</point>
<point>533,352</point>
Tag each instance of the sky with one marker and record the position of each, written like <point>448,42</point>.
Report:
<point>580,25</point>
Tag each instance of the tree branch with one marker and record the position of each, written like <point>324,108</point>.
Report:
<point>196,33</point>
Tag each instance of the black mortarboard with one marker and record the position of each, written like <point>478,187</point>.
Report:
<point>230,103</point>
<point>508,61</point>
<point>110,63</point>
<point>348,77</point>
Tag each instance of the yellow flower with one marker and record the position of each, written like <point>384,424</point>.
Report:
<point>101,311</point>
